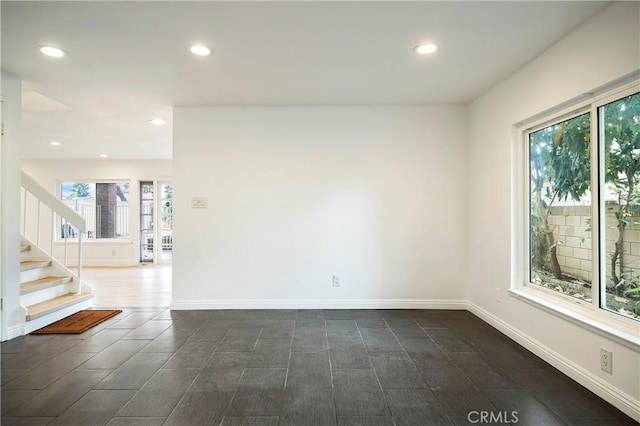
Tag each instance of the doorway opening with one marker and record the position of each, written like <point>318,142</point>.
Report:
<point>156,222</point>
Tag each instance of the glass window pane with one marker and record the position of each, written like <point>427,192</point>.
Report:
<point>619,128</point>
<point>81,197</point>
<point>560,207</point>
<point>104,206</point>
<point>146,222</point>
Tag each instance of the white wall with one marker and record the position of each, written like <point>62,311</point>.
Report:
<point>13,314</point>
<point>297,194</point>
<point>602,50</point>
<point>95,252</point>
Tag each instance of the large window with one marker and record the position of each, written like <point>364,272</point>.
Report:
<point>104,205</point>
<point>584,206</point>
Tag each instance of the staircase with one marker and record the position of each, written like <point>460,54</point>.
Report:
<point>49,291</point>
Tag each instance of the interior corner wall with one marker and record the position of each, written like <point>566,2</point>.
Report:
<point>13,314</point>
<point>50,172</point>
<point>374,194</point>
<point>600,51</point>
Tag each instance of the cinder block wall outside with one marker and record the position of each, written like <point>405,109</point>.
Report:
<point>575,253</point>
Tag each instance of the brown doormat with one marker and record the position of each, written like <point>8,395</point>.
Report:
<point>78,322</point>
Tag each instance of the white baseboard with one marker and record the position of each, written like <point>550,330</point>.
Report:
<point>106,263</point>
<point>595,384</point>
<point>15,331</point>
<point>319,304</point>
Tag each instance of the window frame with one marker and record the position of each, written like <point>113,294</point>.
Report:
<point>590,315</point>
<point>58,238</point>
<point>595,220</point>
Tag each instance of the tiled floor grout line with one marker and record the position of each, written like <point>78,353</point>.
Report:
<point>286,376</point>
<point>333,394</point>
<point>449,357</point>
<point>241,374</point>
<point>452,361</point>
<point>326,338</point>
<point>74,369</point>
<point>388,407</point>
<point>184,394</point>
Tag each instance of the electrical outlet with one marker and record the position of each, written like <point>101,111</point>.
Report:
<point>335,281</point>
<point>606,360</point>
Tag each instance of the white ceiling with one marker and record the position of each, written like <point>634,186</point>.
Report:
<point>129,62</point>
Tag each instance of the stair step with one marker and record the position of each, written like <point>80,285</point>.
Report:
<point>34,264</point>
<point>25,247</point>
<point>43,308</point>
<point>42,283</point>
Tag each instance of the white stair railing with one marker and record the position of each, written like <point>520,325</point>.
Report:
<point>44,216</point>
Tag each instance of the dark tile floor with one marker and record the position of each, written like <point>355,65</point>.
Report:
<point>288,367</point>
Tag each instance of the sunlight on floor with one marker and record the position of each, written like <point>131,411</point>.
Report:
<point>137,286</point>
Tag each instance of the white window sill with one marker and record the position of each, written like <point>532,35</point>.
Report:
<point>622,330</point>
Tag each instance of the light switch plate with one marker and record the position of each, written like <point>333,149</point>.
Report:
<point>199,203</point>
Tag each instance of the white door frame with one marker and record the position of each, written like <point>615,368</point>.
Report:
<point>157,249</point>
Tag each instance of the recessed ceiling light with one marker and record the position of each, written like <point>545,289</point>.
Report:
<point>158,121</point>
<point>200,50</point>
<point>55,143</point>
<point>51,51</point>
<point>425,49</point>
<point>103,155</point>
